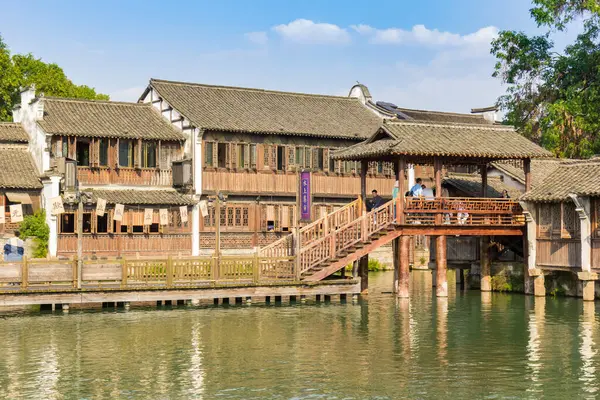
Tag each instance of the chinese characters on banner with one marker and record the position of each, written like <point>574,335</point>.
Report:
<point>56,205</point>
<point>119,211</point>
<point>2,217</point>
<point>204,208</point>
<point>16,213</point>
<point>183,211</point>
<point>148,216</point>
<point>100,207</point>
<point>163,213</point>
<point>305,196</point>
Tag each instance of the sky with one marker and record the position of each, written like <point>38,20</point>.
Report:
<point>424,54</point>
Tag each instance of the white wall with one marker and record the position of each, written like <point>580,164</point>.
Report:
<point>507,179</point>
<point>28,115</point>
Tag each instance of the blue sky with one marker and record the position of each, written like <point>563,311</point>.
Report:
<point>431,54</point>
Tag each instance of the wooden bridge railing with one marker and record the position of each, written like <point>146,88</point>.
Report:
<point>158,273</point>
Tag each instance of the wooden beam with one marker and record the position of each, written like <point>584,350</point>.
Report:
<point>484,180</point>
<point>463,230</point>
<point>527,171</point>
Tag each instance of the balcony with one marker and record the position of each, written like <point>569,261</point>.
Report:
<point>125,176</point>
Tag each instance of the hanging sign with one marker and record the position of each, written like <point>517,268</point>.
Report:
<point>305,196</point>
<point>16,213</point>
<point>2,216</point>
<point>148,212</point>
<point>119,211</point>
<point>100,207</point>
<point>183,212</point>
<point>204,208</point>
<point>56,205</point>
<point>163,213</point>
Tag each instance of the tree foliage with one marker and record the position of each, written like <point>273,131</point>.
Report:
<point>553,98</point>
<point>35,226</point>
<point>22,70</point>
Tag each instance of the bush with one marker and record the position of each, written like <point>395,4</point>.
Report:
<point>34,226</point>
<point>504,283</point>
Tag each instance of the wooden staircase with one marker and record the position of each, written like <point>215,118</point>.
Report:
<point>336,240</point>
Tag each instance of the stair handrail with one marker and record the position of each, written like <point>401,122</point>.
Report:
<point>356,204</point>
<point>288,250</point>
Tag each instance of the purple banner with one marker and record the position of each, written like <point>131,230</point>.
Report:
<point>305,196</point>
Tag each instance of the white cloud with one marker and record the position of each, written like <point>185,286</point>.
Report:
<point>421,35</point>
<point>307,31</point>
<point>259,38</point>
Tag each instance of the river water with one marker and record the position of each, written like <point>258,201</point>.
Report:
<point>467,346</point>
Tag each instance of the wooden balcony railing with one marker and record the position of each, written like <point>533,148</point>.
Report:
<point>125,176</point>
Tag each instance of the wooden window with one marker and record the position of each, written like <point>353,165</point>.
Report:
<point>280,158</point>
<point>86,223</point>
<point>320,159</point>
<point>126,153</point>
<point>65,147</point>
<point>307,157</point>
<point>291,157</point>
<point>571,223</point>
<point>253,156</point>
<point>149,150</point>
<point>241,156</point>
<point>83,153</point>
<point>332,163</point>
<point>67,223</point>
<point>208,154</point>
<point>315,159</point>
<point>222,155</point>
<point>300,156</point>
<point>103,152</point>
<point>102,223</point>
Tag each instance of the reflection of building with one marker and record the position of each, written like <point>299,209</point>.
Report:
<point>19,182</point>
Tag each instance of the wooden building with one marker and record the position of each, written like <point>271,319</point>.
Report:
<point>19,178</point>
<point>123,154</point>
<point>563,223</point>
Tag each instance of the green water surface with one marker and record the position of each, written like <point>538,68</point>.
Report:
<point>468,346</point>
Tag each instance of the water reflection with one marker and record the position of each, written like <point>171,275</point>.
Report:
<point>442,329</point>
<point>587,349</point>
<point>534,345</point>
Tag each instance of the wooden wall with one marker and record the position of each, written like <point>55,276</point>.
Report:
<point>559,253</point>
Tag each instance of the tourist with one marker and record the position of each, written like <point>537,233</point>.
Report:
<point>505,194</point>
<point>376,200</point>
<point>395,194</point>
<point>14,248</point>
<point>417,188</point>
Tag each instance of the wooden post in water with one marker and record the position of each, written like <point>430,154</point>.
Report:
<point>485,260</point>
<point>363,271</point>
<point>441,287</point>
<point>404,267</point>
<point>396,262</point>
<point>363,262</point>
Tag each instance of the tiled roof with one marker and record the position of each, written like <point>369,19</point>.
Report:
<point>470,185</point>
<point>11,132</point>
<point>17,170</point>
<point>141,197</point>
<point>236,109</point>
<point>94,118</point>
<point>578,177</point>
<point>540,169</point>
<point>450,140</point>
<point>438,116</point>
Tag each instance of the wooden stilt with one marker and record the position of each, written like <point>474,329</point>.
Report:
<point>484,258</point>
<point>404,267</point>
<point>363,271</point>
<point>441,287</point>
<point>396,262</point>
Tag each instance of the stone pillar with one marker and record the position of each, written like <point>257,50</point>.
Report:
<point>363,272</point>
<point>588,282</point>
<point>539,284</point>
<point>403,267</point>
<point>51,188</point>
<point>441,287</point>
<point>529,247</point>
<point>196,230</point>
<point>588,278</point>
<point>486,264</point>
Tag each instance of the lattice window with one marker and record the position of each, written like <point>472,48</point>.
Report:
<point>545,220</point>
<point>291,154</point>
<point>556,219</point>
<point>245,213</point>
<point>596,229</point>
<point>238,216</point>
<point>571,222</point>
<point>230,216</point>
<point>223,217</point>
<point>253,156</point>
<point>372,168</point>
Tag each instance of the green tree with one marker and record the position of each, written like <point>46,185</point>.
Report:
<point>553,98</point>
<point>18,70</point>
<point>35,226</point>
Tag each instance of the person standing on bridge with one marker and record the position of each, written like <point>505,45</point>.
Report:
<point>14,249</point>
<point>417,189</point>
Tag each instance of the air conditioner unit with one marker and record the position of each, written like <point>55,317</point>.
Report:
<point>182,173</point>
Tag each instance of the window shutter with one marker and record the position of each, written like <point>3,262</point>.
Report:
<point>246,156</point>
<point>95,153</point>
<point>72,147</point>
<point>215,154</point>
<point>159,158</point>
<point>266,155</point>
<point>307,157</point>
<point>273,157</point>
<point>315,158</point>
<point>137,153</point>
<point>228,155</point>
<point>291,157</point>
<point>326,160</point>
<point>116,153</point>
<point>234,156</point>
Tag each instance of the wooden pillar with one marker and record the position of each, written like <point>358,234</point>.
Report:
<point>363,182</point>
<point>484,180</point>
<point>527,171</point>
<point>403,267</point>
<point>401,178</point>
<point>363,272</point>
<point>396,262</point>
<point>437,166</point>
<point>441,287</point>
<point>485,261</point>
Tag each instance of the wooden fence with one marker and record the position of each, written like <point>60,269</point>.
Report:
<point>156,273</point>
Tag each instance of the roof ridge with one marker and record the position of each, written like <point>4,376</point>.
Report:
<point>441,112</point>
<point>93,101</point>
<point>450,125</point>
<point>11,123</point>
<point>240,88</point>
